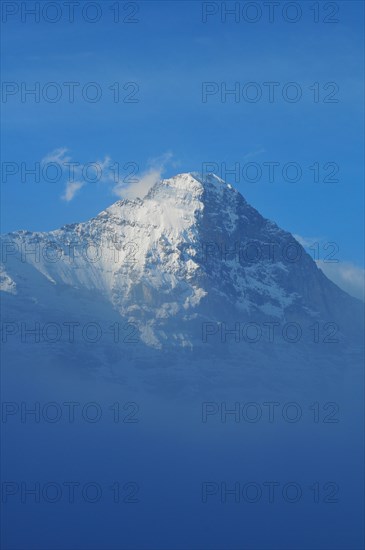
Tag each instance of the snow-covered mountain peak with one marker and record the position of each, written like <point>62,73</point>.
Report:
<point>191,184</point>
<point>192,248</point>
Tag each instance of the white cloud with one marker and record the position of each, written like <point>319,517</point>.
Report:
<point>142,185</point>
<point>251,154</point>
<point>307,242</point>
<point>78,175</point>
<point>57,155</point>
<point>346,275</point>
<point>104,165</point>
<point>71,189</point>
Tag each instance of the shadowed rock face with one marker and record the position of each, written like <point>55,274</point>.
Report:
<point>192,252</point>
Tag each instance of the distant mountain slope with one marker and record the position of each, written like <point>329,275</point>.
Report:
<point>190,279</point>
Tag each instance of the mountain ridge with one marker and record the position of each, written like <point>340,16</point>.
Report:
<point>191,248</point>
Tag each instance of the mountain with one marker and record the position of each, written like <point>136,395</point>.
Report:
<point>118,365</point>
<point>183,267</point>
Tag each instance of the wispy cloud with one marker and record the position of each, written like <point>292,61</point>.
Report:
<point>252,154</point>
<point>74,172</point>
<point>77,175</point>
<point>59,156</point>
<point>346,275</point>
<point>152,175</point>
<point>71,189</point>
<point>308,242</point>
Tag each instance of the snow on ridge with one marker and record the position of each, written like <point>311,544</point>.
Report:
<point>150,261</point>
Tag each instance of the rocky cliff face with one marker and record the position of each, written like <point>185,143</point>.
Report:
<point>193,267</point>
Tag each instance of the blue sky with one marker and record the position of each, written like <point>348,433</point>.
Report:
<point>168,54</point>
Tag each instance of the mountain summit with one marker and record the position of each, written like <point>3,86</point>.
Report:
<point>191,265</point>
